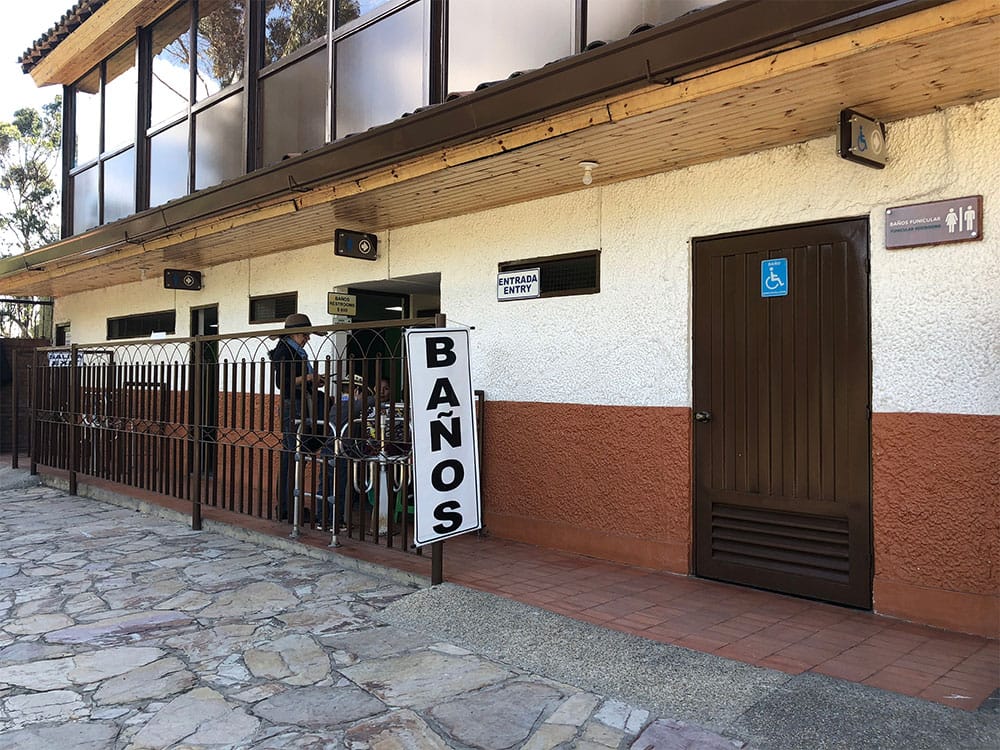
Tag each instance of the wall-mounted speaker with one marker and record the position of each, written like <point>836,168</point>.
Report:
<point>176,278</point>
<point>355,244</point>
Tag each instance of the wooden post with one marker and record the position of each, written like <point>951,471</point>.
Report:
<point>437,563</point>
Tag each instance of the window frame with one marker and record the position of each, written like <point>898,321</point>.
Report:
<point>141,317</point>
<point>434,88</point>
<point>73,170</point>
<point>278,295</point>
<point>540,264</point>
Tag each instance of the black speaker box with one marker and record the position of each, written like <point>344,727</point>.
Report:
<point>176,278</point>
<point>355,244</point>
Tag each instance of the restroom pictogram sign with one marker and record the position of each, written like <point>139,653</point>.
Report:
<point>935,223</point>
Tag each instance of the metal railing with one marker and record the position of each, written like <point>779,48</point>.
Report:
<point>204,420</point>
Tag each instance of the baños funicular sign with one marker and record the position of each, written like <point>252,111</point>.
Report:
<point>934,223</point>
<point>446,495</point>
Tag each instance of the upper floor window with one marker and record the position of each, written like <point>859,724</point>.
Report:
<point>202,125</point>
<point>489,40</point>
<point>170,91</point>
<point>105,101</point>
<point>220,42</point>
<point>121,89</point>
<point>289,26</point>
<point>196,139</point>
<point>348,10</point>
<point>102,168</point>
<point>87,101</point>
<point>294,85</point>
<point>608,20</point>
<point>382,71</point>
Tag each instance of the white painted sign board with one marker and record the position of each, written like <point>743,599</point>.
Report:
<point>446,491</point>
<point>521,284</point>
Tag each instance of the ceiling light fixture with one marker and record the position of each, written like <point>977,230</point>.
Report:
<point>588,171</point>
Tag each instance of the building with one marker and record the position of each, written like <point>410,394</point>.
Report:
<point>828,427</point>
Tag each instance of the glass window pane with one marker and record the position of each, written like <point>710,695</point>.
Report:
<point>221,43</point>
<point>119,186</point>
<point>381,71</point>
<point>487,40</point>
<point>219,153</point>
<point>88,117</point>
<point>608,20</point>
<point>85,201</point>
<point>290,25</point>
<point>348,10</point>
<point>121,92</point>
<point>168,164</point>
<point>294,108</point>
<point>171,65</point>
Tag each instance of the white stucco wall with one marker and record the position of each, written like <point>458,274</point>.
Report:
<point>935,310</point>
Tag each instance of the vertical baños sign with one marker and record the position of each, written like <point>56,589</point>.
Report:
<point>445,452</point>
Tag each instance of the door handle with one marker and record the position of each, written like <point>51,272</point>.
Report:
<point>703,416</point>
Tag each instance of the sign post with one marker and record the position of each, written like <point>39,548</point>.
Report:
<point>446,491</point>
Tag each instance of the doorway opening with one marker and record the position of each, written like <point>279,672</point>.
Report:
<point>393,300</point>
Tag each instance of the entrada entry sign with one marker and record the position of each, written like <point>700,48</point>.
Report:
<point>521,284</point>
<point>446,493</point>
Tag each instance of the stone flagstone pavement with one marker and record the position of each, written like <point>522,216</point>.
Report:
<point>125,631</point>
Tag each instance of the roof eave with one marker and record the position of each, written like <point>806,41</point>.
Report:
<point>699,40</point>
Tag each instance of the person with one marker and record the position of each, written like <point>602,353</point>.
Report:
<point>295,378</point>
<point>351,410</point>
<point>384,391</point>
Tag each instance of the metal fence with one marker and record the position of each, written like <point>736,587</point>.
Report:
<point>203,419</point>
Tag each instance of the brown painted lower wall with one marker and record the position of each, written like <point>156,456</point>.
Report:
<point>615,482</point>
<point>607,481</point>
<point>936,518</point>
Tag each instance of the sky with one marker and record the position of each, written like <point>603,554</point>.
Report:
<point>18,32</point>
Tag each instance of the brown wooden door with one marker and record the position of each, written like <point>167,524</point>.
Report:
<point>781,406</point>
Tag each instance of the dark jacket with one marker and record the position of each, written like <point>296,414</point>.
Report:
<point>289,365</point>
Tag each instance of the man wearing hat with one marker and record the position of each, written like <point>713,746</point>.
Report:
<point>295,378</point>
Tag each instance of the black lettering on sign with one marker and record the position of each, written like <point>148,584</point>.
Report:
<point>440,352</point>
<point>442,393</point>
<point>447,512</point>
<point>440,430</point>
<point>437,475</point>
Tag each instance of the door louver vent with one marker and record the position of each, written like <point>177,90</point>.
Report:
<point>783,542</point>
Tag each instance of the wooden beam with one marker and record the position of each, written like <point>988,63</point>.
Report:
<point>772,65</point>
<point>95,39</point>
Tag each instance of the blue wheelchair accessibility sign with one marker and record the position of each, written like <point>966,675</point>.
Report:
<point>774,277</point>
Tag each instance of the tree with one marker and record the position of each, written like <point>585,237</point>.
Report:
<point>29,196</point>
